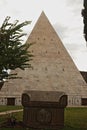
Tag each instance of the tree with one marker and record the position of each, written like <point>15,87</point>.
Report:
<point>84,14</point>
<point>13,53</point>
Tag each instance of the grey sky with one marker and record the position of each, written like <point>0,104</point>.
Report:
<point>64,15</point>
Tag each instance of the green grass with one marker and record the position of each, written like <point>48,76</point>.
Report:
<point>12,129</point>
<point>7,108</point>
<point>18,115</point>
<point>75,119</point>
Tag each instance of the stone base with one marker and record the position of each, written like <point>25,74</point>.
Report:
<point>44,117</point>
<point>44,109</point>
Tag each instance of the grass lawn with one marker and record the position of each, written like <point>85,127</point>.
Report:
<point>75,119</point>
<point>7,108</point>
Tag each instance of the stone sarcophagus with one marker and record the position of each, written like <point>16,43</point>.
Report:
<point>44,109</point>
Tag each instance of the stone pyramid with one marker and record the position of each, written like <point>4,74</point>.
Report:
<point>53,69</point>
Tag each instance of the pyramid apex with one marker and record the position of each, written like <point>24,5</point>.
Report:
<point>43,14</point>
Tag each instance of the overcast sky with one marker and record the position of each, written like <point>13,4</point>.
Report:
<point>64,15</point>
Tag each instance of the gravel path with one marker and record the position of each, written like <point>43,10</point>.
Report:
<point>11,111</point>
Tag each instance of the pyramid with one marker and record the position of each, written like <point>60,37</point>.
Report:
<point>52,68</point>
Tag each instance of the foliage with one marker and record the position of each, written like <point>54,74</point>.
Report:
<point>84,14</point>
<point>13,53</point>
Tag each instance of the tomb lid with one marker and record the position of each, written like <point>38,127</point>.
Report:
<point>46,96</point>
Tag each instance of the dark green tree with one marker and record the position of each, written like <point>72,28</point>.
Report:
<point>84,14</point>
<point>13,53</point>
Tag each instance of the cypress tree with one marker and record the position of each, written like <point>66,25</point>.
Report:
<point>84,14</point>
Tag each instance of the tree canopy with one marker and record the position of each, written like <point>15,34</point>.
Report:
<point>13,53</point>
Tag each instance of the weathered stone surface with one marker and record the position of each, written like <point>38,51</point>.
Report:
<point>43,109</point>
<point>38,98</point>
